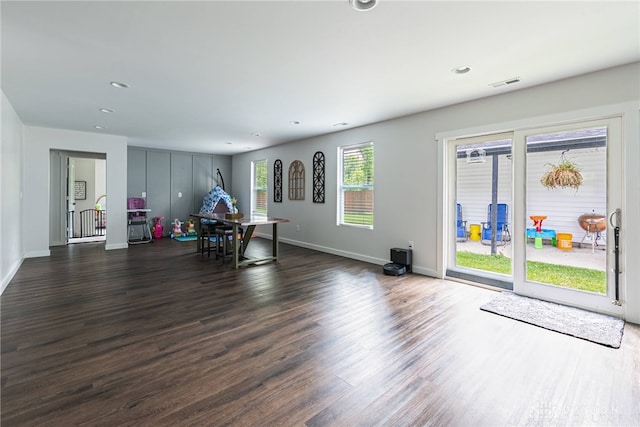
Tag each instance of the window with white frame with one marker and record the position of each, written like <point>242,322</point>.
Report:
<point>259,187</point>
<point>355,185</point>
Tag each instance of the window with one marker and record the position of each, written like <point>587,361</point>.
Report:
<point>355,192</point>
<point>259,187</point>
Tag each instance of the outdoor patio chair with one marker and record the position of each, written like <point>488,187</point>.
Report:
<point>502,225</point>
<point>461,225</point>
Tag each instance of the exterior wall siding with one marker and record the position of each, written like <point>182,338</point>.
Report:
<point>474,188</point>
<point>561,206</point>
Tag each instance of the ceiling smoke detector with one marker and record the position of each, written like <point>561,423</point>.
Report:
<point>363,5</point>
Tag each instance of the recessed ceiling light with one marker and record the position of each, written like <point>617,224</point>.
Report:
<point>363,5</point>
<point>106,110</point>
<point>99,127</point>
<point>294,122</point>
<point>119,85</point>
<point>341,124</point>
<point>464,69</point>
<point>255,134</point>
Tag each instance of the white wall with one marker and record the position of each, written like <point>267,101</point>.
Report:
<point>393,193</point>
<point>38,142</point>
<point>11,154</point>
<point>407,181</point>
<point>101,182</point>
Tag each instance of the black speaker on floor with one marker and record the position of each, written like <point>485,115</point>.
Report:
<point>400,262</point>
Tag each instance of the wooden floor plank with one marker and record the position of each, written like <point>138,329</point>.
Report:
<point>159,335</point>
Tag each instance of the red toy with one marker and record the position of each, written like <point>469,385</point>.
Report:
<point>158,228</point>
<point>537,222</point>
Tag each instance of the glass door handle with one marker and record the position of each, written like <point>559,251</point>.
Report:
<point>617,213</point>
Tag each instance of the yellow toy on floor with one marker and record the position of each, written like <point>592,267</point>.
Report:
<point>191,228</point>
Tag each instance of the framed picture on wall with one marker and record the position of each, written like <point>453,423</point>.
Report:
<point>80,190</point>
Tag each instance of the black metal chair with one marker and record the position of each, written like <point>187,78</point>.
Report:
<point>224,247</point>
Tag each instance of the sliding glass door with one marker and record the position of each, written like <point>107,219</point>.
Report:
<point>536,211</point>
<point>571,182</point>
<point>480,199</point>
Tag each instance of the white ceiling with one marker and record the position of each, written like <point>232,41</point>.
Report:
<point>205,76</point>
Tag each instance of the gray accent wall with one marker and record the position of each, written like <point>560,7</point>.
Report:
<point>172,182</point>
<point>182,194</point>
<point>136,172</point>
<point>202,178</point>
<point>159,184</point>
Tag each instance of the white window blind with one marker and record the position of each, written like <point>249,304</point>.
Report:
<point>259,188</point>
<point>356,185</point>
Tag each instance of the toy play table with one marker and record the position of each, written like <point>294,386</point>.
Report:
<point>538,233</point>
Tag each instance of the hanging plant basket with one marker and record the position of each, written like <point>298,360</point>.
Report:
<point>564,174</point>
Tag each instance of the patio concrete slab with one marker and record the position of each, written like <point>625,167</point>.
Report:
<point>577,257</point>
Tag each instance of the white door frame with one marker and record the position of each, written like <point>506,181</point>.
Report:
<point>629,111</point>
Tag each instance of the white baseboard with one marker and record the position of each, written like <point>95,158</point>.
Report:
<point>352,255</point>
<point>7,279</point>
<point>37,254</point>
<point>112,246</point>
<point>265,236</point>
<point>425,271</point>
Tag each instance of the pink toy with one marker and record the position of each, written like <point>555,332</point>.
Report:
<point>158,228</point>
<point>177,228</point>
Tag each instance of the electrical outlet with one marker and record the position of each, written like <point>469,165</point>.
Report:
<point>410,244</point>
<point>297,228</point>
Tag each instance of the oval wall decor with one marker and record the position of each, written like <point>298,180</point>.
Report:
<point>318,177</point>
<point>296,180</point>
<point>277,181</point>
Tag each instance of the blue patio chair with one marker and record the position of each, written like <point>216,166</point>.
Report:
<point>461,225</point>
<point>502,225</point>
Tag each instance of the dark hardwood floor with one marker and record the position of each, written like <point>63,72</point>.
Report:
<point>158,335</point>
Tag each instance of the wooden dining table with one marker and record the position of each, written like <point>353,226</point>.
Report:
<point>248,222</point>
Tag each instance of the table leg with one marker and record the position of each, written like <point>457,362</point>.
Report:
<point>199,235</point>
<point>246,239</point>
<point>537,242</point>
<point>235,246</point>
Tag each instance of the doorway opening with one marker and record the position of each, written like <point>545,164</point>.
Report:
<point>78,198</point>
